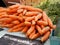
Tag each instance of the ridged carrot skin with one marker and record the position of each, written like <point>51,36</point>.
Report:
<point>45,17</point>
<point>32,34</point>
<point>25,29</point>
<point>18,29</point>
<point>50,23</point>
<point>15,27</point>
<point>16,22</point>
<point>39,29</point>
<point>38,17</point>
<point>31,13</point>
<point>27,23</point>
<point>42,23</point>
<point>30,30</point>
<point>35,36</point>
<point>30,8</point>
<point>46,29</point>
<point>20,10</point>
<point>29,19</point>
<point>45,37</point>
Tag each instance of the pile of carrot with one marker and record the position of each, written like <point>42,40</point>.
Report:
<point>33,22</point>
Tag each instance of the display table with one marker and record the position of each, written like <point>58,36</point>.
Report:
<point>18,34</point>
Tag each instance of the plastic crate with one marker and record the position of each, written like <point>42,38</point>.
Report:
<point>55,37</point>
<point>54,40</point>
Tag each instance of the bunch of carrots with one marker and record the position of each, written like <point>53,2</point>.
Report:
<point>33,22</point>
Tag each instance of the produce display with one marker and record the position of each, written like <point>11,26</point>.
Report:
<point>33,22</point>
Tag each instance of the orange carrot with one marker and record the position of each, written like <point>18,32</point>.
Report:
<point>2,9</point>
<point>18,29</point>
<point>16,22</point>
<point>11,10</point>
<point>30,30</point>
<point>45,17</point>
<point>8,25</point>
<point>15,27</point>
<point>32,34</point>
<point>27,23</point>
<point>35,36</point>
<point>19,10</point>
<point>29,18</point>
<point>45,37</point>
<point>50,23</point>
<point>42,26</point>
<point>7,20</point>
<point>38,17</point>
<point>24,12</point>
<point>21,14</point>
<point>39,29</point>
<point>24,29</point>
<point>31,13</point>
<point>41,23</point>
<point>33,22</point>
<point>46,29</point>
<point>31,8</point>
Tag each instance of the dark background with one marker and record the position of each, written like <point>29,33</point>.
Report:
<point>2,4</point>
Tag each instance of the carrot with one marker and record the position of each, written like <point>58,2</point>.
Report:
<point>15,14</point>
<point>41,23</point>
<point>50,23</point>
<point>38,17</point>
<point>15,27</point>
<point>24,12</point>
<point>32,34</point>
<point>11,10</point>
<point>42,26</point>
<point>30,30</point>
<point>19,10</point>
<point>33,22</point>
<point>2,9</point>
<point>45,17</point>
<point>35,36</point>
<point>15,17</point>
<point>16,22</point>
<point>45,37</point>
<point>24,29</point>
<point>31,8</point>
<point>7,20</point>
<point>18,29</point>
<point>46,29</point>
<point>31,13</point>
<point>27,23</point>
<point>39,29</point>
<point>21,14</point>
<point>29,18</point>
<point>8,25</point>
